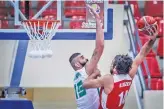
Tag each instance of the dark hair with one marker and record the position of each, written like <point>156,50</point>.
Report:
<point>73,56</point>
<point>122,63</point>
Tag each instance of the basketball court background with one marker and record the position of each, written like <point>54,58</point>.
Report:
<point>50,81</point>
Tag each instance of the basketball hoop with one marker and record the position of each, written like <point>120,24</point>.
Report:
<point>40,33</point>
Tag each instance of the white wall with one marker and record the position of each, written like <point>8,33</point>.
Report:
<point>57,71</point>
<point>7,49</point>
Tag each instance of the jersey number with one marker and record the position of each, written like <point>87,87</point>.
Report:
<point>79,90</point>
<point>122,97</point>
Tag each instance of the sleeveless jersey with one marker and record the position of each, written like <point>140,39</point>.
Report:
<point>116,98</point>
<point>85,98</point>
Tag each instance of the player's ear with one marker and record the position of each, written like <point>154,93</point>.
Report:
<point>114,70</point>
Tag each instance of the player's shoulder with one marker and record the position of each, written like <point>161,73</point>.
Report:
<point>77,75</point>
<point>108,79</point>
<point>81,73</point>
<point>108,83</point>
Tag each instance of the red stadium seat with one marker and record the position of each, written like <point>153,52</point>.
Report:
<point>42,3</point>
<point>76,24</point>
<point>3,11</point>
<point>69,12</point>
<point>154,8</point>
<point>80,3</point>
<point>158,19</point>
<point>156,84</point>
<point>121,2</point>
<point>50,13</point>
<point>4,24</point>
<point>160,51</point>
<point>49,17</point>
<point>2,3</point>
<point>74,12</point>
<point>153,67</point>
<point>2,16</point>
<point>136,8</point>
<point>161,26</point>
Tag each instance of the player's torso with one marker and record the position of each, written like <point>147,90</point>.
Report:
<point>116,98</point>
<point>85,98</point>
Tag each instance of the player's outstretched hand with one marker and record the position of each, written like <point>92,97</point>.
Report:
<point>154,32</point>
<point>96,15</point>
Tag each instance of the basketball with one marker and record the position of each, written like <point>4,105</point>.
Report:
<point>147,25</point>
<point>96,7</point>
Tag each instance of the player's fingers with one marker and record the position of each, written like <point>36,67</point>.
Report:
<point>93,11</point>
<point>88,6</point>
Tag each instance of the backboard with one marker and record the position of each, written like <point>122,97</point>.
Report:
<point>75,19</point>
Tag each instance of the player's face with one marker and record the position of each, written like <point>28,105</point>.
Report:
<point>82,60</point>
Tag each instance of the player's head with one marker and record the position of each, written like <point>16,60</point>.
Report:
<point>121,64</point>
<point>77,61</point>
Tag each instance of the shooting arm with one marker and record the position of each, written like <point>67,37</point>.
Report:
<point>90,66</point>
<point>141,55</point>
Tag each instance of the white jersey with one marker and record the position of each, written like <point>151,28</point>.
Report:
<point>85,98</point>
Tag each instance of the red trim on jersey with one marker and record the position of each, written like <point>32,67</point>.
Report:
<point>116,98</point>
<point>102,88</point>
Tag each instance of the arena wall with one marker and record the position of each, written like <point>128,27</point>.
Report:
<point>7,58</point>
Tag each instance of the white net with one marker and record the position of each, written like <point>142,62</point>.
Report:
<point>40,33</point>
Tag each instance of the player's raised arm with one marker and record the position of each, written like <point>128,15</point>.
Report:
<point>141,55</point>
<point>91,65</point>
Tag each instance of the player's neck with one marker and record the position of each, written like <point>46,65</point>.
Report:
<point>76,69</point>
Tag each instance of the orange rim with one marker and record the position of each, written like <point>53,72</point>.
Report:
<point>41,22</point>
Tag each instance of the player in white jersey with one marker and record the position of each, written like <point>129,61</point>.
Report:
<point>85,98</point>
<point>88,98</point>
